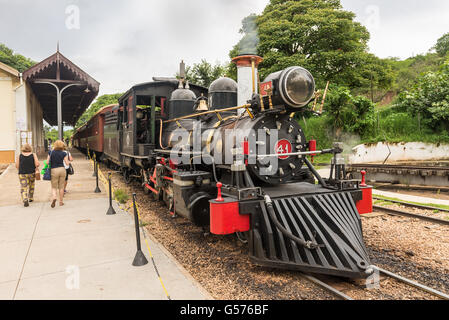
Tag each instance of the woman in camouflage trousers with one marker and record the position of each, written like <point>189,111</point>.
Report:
<point>28,164</point>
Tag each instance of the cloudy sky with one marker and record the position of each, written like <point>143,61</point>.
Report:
<point>121,43</point>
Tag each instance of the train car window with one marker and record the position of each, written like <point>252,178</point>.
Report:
<point>130,110</point>
<point>119,119</point>
<point>125,114</point>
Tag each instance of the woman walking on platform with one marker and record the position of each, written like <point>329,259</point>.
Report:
<point>57,159</point>
<point>28,165</point>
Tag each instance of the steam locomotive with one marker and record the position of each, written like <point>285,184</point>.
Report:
<point>234,161</point>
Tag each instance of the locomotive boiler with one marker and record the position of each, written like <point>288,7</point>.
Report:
<point>232,159</point>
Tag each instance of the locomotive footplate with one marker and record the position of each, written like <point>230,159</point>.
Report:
<point>317,231</point>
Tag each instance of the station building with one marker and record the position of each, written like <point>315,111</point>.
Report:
<point>21,115</point>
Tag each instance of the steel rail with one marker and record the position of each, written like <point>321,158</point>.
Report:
<point>413,283</point>
<point>301,153</point>
<point>260,156</point>
<point>399,167</point>
<point>326,286</point>
<point>412,205</point>
<point>411,215</point>
<point>387,273</point>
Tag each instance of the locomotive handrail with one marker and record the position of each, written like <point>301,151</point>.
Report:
<point>301,153</point>
<point>200,153</point>
<point>246,106</point>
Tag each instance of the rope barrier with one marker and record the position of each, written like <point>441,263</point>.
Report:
<point>127,210</point>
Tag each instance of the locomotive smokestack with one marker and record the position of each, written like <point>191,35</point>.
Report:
<point>247,77</point>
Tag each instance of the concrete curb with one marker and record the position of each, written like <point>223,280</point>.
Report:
<point>4,172</point>
<point>180,267</point>
<point>170,256</point>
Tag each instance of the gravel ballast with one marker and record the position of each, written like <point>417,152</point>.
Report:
<point>221,264</point>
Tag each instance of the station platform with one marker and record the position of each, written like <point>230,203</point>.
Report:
<point>76,251</point>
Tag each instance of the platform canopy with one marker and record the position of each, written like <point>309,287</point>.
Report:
<point>77,89</point>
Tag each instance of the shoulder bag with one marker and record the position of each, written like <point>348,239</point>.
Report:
<point>47,174</point>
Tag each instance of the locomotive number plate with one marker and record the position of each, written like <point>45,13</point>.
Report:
<point>283,146</point>
<point>266,88</point>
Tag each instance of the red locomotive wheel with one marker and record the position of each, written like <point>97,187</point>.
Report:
<point>283,146</point>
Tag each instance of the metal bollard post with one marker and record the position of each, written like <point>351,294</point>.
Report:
<point>111,209</point>
<point>95,168</point>
<point>97,189</point>
<point>139,259</point>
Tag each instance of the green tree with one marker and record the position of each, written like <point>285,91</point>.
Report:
<point>318,35</point>
<point>410,69</point>
<point>442,46</point>
<point>204,73</point>
<point>52,133</point>
<point>347,113</point>
<point>99,103</point>
<point>429,98</point>
<point>14,60</point>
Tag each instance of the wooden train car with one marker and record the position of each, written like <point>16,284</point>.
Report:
<point>91,135</point>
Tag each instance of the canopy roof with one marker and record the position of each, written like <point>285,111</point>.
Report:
<point>60,71</point>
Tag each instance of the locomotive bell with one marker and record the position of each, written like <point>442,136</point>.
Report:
<point>294,86</point>
<point>201,104</point>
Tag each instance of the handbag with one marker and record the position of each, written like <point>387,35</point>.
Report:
<point>47,174</point>
<point>71,171</point>
<point>37,174</point>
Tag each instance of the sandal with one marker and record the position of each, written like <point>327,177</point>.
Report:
<point>53,203</point>
<point>61,204</point>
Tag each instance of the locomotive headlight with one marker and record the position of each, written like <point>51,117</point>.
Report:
<point>294,85</point>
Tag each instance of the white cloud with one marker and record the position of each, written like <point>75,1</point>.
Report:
<point>121,43</point>
<point>405,28</point>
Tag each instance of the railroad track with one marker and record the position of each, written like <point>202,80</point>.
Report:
<point>387,273</point>
<point>419,177</point>
<point>398,167</point>
<point>397,212</point>
<point>412,205</point>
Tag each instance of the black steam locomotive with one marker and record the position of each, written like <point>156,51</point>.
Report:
<point>242,169</point>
